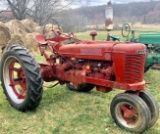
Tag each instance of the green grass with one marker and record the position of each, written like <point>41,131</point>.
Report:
<point>101,35</point>
<point>62,111</point>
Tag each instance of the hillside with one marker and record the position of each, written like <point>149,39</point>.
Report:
<point>84,18</point>
<point>144,12</point>
<point>137,9</point>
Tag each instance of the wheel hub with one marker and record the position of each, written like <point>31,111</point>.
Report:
<point>129,113</point>
<point>17,79</point>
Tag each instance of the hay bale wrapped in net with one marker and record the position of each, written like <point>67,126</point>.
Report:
<point>29,24</point>
<point>30,42</point>
<point>5,35</point>
<point>16,27</point>
<point>16,40</point>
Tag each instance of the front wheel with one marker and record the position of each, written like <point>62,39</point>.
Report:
<point>130,112</point>
<point>152,104</point>
<point>21,78</point>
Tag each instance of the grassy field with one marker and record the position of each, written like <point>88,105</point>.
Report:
<point>62,111</point>
<point>102,35</point>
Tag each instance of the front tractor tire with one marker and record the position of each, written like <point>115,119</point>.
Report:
<point>130,112</point>
<point>153,106</point>
<point>21,78</point>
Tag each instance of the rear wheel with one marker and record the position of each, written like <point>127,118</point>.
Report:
<point>130,112</point>
<point>81,88</point>
<point>21,78</point>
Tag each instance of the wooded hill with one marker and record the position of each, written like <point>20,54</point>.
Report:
<point>139,10</point>
<point>144,12</point>
<point>85,18</point>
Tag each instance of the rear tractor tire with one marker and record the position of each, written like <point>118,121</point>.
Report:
<point>130,112</point>
<point>81,88</point>
<point>21,78</point>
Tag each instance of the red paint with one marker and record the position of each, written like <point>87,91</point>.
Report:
<point>90,51</point>
<point>93,33</point>
<point>18,82</point>
<point>105,64</point>
<point>129,113</point>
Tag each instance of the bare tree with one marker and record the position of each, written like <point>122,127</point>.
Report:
<point>41,11</point>
<point>19,8</point>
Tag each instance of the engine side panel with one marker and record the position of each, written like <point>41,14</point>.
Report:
<point>87,51</point>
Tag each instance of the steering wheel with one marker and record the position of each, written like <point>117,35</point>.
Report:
<point>125,30</point>
<point>57,32</point>
<point>50,31</point>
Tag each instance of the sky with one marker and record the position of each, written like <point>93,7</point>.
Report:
<point>77,3</point>
<point>102,2</point>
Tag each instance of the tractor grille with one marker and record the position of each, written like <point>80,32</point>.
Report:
<point>134,68</point>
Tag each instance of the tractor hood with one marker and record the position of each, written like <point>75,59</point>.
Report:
<point>100,50</point>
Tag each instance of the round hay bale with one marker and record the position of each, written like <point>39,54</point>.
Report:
<point>29,24</point>
<point>15,40</point>
<point>50,30</point>
<point>30,42</point>
<point>49,27</point>
<point>16,27</point>
<point>38,29</point>
<point>5,35</point>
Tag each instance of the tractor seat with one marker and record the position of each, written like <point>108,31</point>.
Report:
<point>114,37</point>
<point>40,38</point>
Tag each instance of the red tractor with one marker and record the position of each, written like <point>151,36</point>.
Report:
<point>82,65</point>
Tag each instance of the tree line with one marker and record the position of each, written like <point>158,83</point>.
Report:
<point>44,11</point>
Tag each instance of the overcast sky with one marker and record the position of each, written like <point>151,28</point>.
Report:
<point>77,3</point>
<point>102,2</point>
<point>118,1</point>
